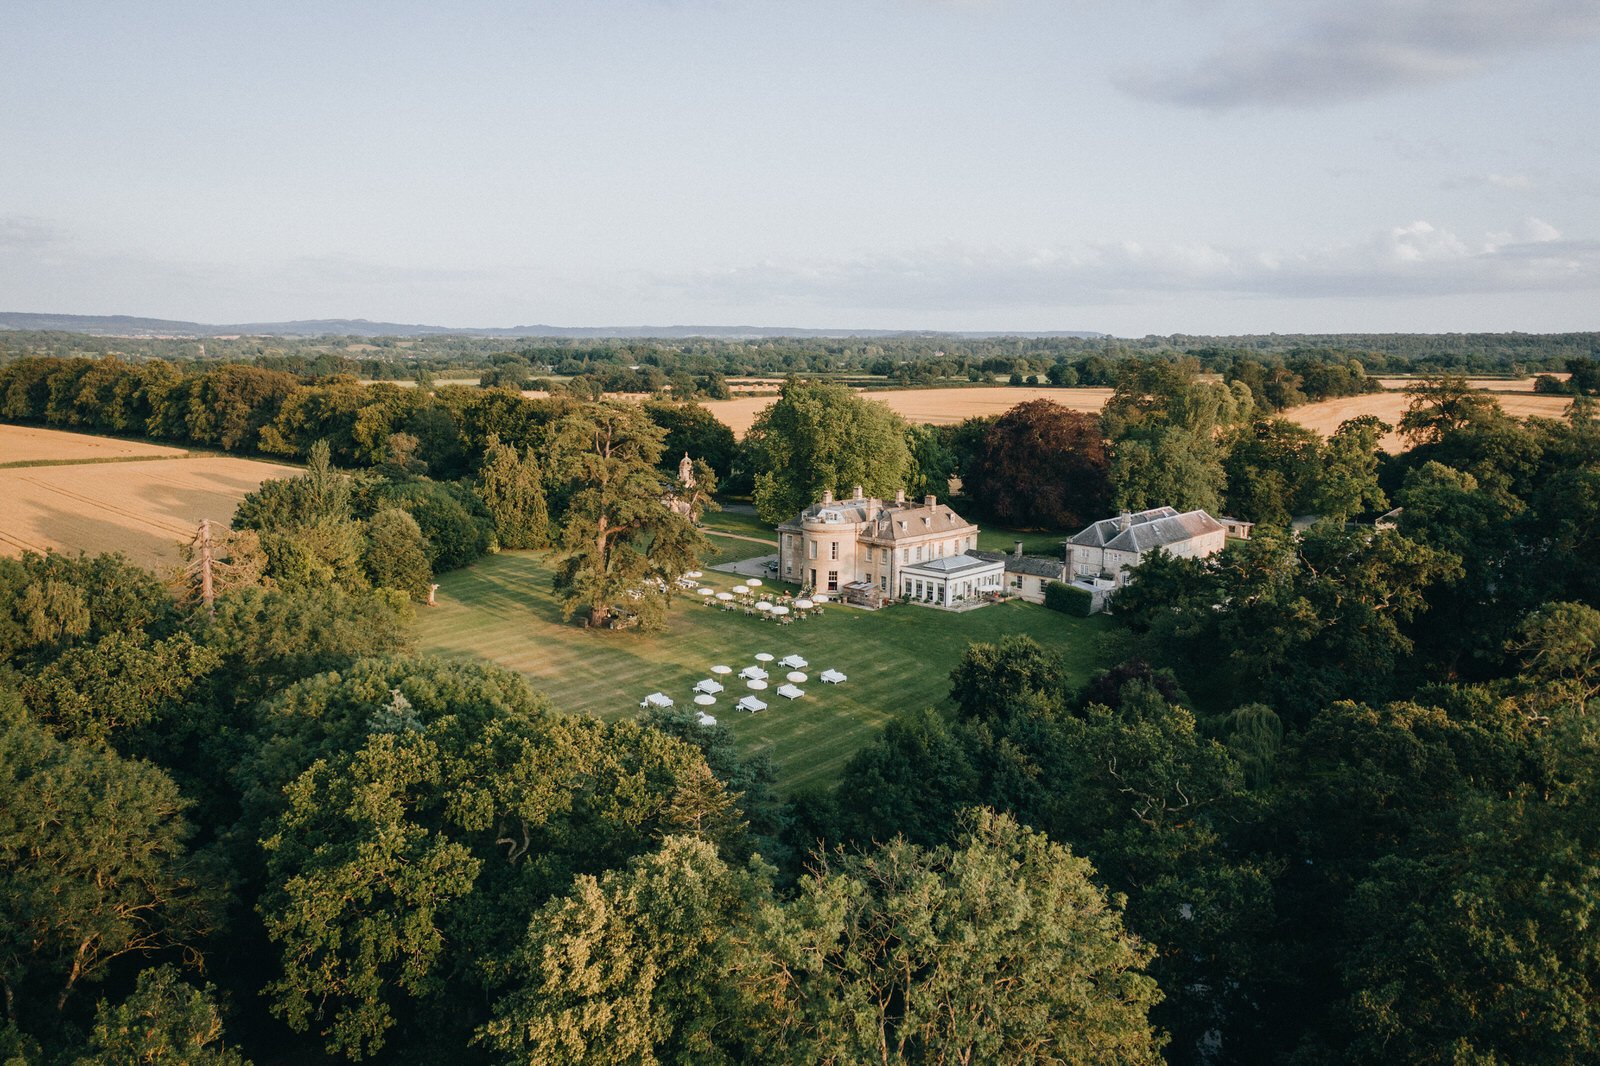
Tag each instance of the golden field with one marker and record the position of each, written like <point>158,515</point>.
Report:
<point>1325,417</point>
<point>944,406</point>
<point>25,444</point>
<point>143,508</point>
<point>933,406</point>
<point>1487,384</point>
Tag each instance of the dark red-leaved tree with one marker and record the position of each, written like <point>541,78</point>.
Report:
<point>1041,465</point>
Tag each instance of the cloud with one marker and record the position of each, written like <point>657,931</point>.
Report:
<point>23,233</point>
<point>1413,260</point>
<point>1363,48</point>
<point>1501,182</point>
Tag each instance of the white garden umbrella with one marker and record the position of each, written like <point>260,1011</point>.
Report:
<point>754,582</point>
<point>803,604</point>
<point>796,676</point>
<point>705,700</point>
<point>780,609</point>
<point>722,669</point>
<point>763,657</point>
<point>703,592</point>
<point>757,684</point>
<point>724,596</point>
<point>763,606</point>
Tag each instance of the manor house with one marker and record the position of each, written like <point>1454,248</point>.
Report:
<point>1112,547</point>
<point>870,550</point>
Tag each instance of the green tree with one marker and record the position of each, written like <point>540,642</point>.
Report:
<point>50,602</point>
<point>93,866</point>
<point>395,554</point>
<point>1348,484</point>
<point>1438,405</point>
<point>512,487</point>
<point>632,966</point>
<point>456,528</point>
<point>164,1021</point>
<point>820,436</point>
<point>1163,420</point>
<point>622,548</point>
<point>932,460</point>
<point>123,681</point>
<point>997,948</point>
<point>1273,468</point>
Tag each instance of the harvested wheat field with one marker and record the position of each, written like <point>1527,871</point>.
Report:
<point>142,508</point>
<point>934,406</point>
<point>1486,384</point>
<point>1325,417</point>
<point>27,444</point>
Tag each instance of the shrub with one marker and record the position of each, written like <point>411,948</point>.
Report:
<point>1068,599</point>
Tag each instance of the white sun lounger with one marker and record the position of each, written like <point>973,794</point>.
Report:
<point>833,677</point>
<point>753,673</point>
<point>706,720</point>
<point>751,704</point>
<point>709,687</point>
<point>656,699</point>
<point>789,692</point>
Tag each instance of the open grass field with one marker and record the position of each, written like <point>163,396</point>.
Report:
<point>29,444</point>
<point>934,406</point>
<point>140,507</point>
<point>501,609</point>
<point>1326,416</point>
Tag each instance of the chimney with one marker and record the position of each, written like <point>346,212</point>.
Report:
<point>827,496</point>
<point>857,491</point>
<point>1017,551</point>
<point>1125,521</point>
<point>929,500</point>
<point>900,497</point>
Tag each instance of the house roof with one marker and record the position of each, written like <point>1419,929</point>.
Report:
<point>1034,565</point>
<point>910,522</point>
<point>1159,527</point>
<point>949,566</point>
<point>1103,532</point>
<point>883,520</point>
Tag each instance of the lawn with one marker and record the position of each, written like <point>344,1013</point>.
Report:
<point>1034,542</point>
<point>743,523</point>
<point>501,609</point>
<point>731,550</point>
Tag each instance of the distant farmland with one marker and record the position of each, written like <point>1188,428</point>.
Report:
<point>95,494</point>
<point>1325,417</point>
<point>945,406</point>
<point>934,406</point>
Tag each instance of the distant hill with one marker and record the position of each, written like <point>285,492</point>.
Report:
<point>130,326</point>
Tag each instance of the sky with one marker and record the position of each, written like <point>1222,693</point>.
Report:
<point>1156,166</point>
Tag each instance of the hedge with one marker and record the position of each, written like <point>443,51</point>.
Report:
<point>1068,599</point>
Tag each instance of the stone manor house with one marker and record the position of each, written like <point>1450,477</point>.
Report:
<point>869,550</point>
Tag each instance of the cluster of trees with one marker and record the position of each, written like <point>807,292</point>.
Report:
<point>266,831</point>
<point>1304,377</point>
<point>1346,779</point>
